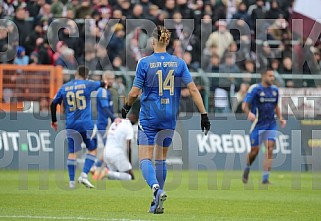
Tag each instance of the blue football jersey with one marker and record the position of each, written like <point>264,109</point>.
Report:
<point>75,95</point>
<point>160,76</point>
<point>104,100</point>
<point>263,101</point>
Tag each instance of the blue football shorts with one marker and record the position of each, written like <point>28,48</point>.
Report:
<point>262,133</point>
<point>152,136</point>
<point>75,139</point>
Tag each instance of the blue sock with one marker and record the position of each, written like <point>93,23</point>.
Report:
<point>99,163</point>
<point>265,176</point>
<point>161,172</point>
<point>89,162</point>
<point>247,167</point>
<point>71,165</point>
<point>148,172</point>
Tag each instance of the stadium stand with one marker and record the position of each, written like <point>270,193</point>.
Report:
<point>221,27</point>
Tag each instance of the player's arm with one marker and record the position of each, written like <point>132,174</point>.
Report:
<point>247,102</point>
<point>279,116</point>
<point>129,149</point>
<point>135,90</point>
<point>197,98</point>
<point>53,108</point>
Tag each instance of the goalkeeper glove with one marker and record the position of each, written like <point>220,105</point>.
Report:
<point>125,110</point>
<point>205,123</point>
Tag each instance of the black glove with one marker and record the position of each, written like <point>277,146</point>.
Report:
<point>205,123</point>
<point>125,110</point>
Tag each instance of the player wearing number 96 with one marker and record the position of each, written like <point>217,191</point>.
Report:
<point>159,77</point>
<point>75,96</point>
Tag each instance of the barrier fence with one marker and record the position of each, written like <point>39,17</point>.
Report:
<point>20,84</point>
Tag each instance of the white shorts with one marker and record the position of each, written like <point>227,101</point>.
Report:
<point>116,160</point>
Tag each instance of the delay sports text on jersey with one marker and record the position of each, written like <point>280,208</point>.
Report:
<point>236,143</point>
<point>163,64</point>
<point>31,142</point>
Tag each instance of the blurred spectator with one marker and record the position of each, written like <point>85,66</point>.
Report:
<point>2,12</point>
<point>146,6</point>
<point>84,10</point>
<point>73,43</point>
<point>118,14</point>
<point>239,97</point>
<point>186,103</point>
<point>221,38</point>
<point>8,8</point>
<point>277,30</point>
<point>120,87</point>
<point>170,7</point>
<point>21,58</point>
<point>184,8</point>
<point>257,11</point>
<point>136,43</point>
<point>275,65</point>
<point>60,46</point>
<point>176,49</point>
<point>89,58</point>
<point>118,65</point>
<point>153,14</point>
<point>205,30</point>
<point>229,65</point>
<point>24,27</point>
<point>33,58</point>
<point>117,41</point>
<point>103,61</point>
<point>44,105</point>
<point>60,8</point>
<point>177,33</point>
<point>187,57</point>
<point>249,69</point>
<point>137,13</point>
<point>42,51</point>
<point>242,15</point>
<point>30,42</point>
<point>231,8</point>
<point>265,54</point>
<point>67,59</point>
<point>287,66</point>
<point>214,66</point>
<point>190,42</point>
<point>275,11</point>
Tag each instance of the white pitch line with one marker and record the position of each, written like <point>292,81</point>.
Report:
<point>69,218</point>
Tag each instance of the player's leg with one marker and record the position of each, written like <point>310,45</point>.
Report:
<point>74,145</point>
<point>163,141</point>
<point>270,136</point>
<point>118,164</point>
<point>100,160</point>
<point>254,138</point>
<point>91,144</point>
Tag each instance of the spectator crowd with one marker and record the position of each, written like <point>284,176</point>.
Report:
<point>257,30</point>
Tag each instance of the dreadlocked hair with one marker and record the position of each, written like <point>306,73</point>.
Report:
<point>161,34</point>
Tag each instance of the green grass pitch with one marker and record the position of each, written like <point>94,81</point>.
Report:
<point>192,195</point>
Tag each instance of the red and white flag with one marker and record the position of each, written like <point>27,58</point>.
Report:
<point>310,13</point>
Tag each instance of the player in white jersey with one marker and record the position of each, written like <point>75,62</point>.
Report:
<point>118,143</point>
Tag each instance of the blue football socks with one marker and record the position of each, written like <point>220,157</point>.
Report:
<point>161,172</point>
<point>89,162</point>
<point>265,176</point>
<point>148,172</point>
<point>71,165</point>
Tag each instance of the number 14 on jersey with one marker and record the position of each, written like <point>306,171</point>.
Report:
<point>168,83</point>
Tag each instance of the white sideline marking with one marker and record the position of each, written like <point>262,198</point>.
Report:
<point>69,218</point>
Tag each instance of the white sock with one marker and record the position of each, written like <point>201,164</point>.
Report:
<point>112,175</point>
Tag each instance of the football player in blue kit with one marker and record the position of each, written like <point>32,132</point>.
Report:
<point>75,96</point>
<point>159,77</point>
<point>261,106</point>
